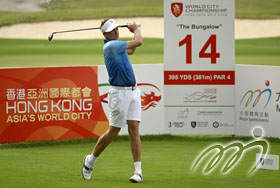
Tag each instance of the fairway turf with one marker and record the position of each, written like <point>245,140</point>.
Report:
<point>265,51</point>
<point>42,53</point>
<point>166,160</point>
<point>26,53</point>
<point>257,9</point>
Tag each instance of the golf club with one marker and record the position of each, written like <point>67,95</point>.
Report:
<point>50,37</point>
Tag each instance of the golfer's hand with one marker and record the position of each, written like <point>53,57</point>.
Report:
<point>132,27</point>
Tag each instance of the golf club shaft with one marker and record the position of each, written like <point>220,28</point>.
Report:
<point>82,29</point>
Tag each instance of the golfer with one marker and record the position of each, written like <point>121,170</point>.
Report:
<point>124,96</point>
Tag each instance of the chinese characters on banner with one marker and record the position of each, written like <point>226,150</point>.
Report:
<point>199,63</point>
<point>50,104</point>
<point>30,105</point>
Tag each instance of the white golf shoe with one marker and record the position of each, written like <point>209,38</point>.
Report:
<point>86,170</point>
<point>136,178</point>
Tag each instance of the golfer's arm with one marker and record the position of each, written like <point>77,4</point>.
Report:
<point>130,51</point>
<point>132,44</point>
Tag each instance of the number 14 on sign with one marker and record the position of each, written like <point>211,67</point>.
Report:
<point>212,42</point>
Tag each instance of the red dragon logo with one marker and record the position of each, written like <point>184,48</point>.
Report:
<point>148,101</point>
<point>176,9</point>
<point>150,95</point>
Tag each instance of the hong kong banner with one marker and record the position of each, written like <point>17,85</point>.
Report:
<point>51,103</point>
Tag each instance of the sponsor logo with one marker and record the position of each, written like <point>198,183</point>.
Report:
<point>150,95</point>
<point>193,124</point>
<point>176,124</point>
<point>255,96</point>
<point>216,124</point>
<point>199,124</point>
<point>183,114</point>
<point>176,9</point>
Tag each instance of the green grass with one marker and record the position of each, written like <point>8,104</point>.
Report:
<point>264,51</point>
<point>25,53</point>
<point>89,9</point>
<point>166,163</point>
<point>22,53</point>
<point>257,9</point>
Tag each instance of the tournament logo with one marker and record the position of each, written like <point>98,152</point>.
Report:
<point>196,96</point>
<point>256,96</point>
<point>176,9</point>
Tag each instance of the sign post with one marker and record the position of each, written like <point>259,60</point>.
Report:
<point>199,61</point>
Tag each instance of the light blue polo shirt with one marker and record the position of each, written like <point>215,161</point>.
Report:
<point>117,63</point>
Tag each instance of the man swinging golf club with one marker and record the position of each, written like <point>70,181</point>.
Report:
<point>124,96</point>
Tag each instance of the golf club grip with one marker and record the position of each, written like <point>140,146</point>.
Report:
<point>123,25</point>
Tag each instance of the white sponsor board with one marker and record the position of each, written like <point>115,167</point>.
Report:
<point>207,120</point>
<point>257,100</point>
<point>268,162</point>
<point>199,63</point>
<point>150,81</point>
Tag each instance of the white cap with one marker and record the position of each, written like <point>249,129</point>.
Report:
<point>109,26</point>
